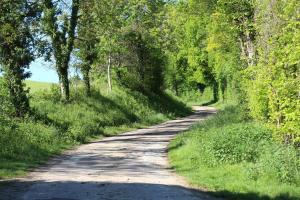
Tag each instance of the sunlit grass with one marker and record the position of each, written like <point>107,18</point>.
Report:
<point>35,86</point>
<point>208,156</point>
<point>54,126</point>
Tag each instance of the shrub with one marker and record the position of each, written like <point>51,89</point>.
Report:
<point>238,142</point>
<point>234,143</point>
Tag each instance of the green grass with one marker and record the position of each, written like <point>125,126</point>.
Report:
<point>54,126</point>
<point>35,86</point>
<point>233,157</point>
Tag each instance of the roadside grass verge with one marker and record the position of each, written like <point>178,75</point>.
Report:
<point>54,126</point>
<point>236,158</point>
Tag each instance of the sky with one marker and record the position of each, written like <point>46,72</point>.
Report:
<point>43,72</point>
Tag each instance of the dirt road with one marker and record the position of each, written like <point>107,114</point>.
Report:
<point>131,166</point>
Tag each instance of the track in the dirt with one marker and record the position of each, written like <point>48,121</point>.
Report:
<point>131,166</point>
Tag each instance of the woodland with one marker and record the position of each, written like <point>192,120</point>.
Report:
<point>141,62</point>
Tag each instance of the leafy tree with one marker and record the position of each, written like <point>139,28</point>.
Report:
<point>16,50</point>
<point>128,42</point>
<point>187,23</point>
<point>144,24</point>
<point>87,42</point>
<point>109,32</point>
<point>60,26</point>
<point>224,55</point>
<point>240,14</point>
<point>273,85</point>
<point>245,50</point>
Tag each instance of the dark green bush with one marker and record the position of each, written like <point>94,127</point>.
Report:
<point>228,139</point>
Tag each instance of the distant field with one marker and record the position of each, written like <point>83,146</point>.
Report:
<point>37,86</point>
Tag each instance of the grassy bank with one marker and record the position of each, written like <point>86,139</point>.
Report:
<point>35,86</point>
<point>236,158</point>
<point>54,126</point>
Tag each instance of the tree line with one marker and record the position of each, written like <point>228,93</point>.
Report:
<point>100,35</point>
<point>243,50</point>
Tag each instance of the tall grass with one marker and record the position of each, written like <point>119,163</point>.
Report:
<point>237,158</point>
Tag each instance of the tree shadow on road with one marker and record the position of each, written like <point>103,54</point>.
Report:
<point>37,190</point>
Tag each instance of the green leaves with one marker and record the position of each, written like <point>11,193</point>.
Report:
<point>278,70</point>
<point>16,52</point>
<point>246,50</point>
<point>61,29</point>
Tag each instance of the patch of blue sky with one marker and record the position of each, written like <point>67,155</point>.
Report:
<point>43,71</point>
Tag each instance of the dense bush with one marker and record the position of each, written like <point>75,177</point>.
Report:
<point>224,118</point>
<point>234,143</point>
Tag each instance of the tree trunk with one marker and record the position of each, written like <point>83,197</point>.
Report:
<point>86,80</point>
<point>247,44</point>
<point>64,83</point>
<point>109,74</point>
<point>250,46</point>
<point>223,88</point>
<point>141,57</point>
<point>62,42</point>
<point>216,91</point>
<point>176,88</point>
<point>175,85</point>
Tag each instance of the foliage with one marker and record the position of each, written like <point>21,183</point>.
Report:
<point>16,52</point>
<point>241,51</point>
<point>125,48</point>
<point>228,152</point>
<point>86,43</point>
<point>273,85</point>
<point>145,72</point>
<point>61,28</point>
<point>187,57</point>
<point>234,143</point>
<point>246,51</point>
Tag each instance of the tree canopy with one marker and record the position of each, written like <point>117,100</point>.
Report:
<point>245,51</point>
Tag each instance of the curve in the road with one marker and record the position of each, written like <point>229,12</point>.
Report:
<point>131,166</point>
